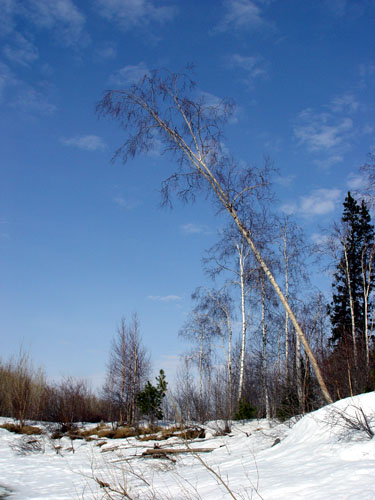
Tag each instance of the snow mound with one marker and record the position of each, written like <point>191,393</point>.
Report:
<point>336,421</point>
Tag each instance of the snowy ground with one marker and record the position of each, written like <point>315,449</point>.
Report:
<point>316,459</point>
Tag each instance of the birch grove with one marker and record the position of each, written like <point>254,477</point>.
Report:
<point>166,107</point>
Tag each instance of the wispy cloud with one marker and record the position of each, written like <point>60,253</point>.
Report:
<point>7,13</point>
<point>191,228</point>
<point>344,8</point>
<point>106,51</point>
<point>135,13</point>
<point>346,103</point>
<point>129,74</point>
<point>329,132</point>
<point>20,50</point>
<point>62,16</point>
<point>32,101</point>
<point>366,69</point>
<point>321,131</point>
<point>319,202</point>
<point>337,7</point>
<point>240,15</point>
<point>319,238</point>
<point>127,204</point>
<point>284,180</point>
<point>357,181</point>
<point>6,78</point>
<point>86,142</point>
<point>366,72</point>
<point>164,298</point>
<point>254,67</point>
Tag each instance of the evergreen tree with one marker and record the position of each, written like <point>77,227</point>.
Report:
<point>150,399</point>
<point>353,281</point>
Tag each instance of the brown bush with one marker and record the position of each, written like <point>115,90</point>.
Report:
<point>29,430</point>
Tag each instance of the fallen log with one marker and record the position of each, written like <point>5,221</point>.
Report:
<point>170,451</point>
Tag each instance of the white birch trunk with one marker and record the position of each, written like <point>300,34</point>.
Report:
<point>351,303</point>
<point>264,354</point>
<point>299,374</point>
<point>244,322</point>
<point>366,280</point>
<point>286,269</point>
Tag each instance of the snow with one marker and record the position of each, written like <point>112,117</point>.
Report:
<point>317,458</point>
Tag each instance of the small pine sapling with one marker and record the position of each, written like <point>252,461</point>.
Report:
<point>150,399</point>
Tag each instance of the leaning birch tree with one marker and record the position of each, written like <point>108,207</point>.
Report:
<point>166,107</point>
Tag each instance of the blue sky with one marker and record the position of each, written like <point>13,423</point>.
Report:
<point>83,241</point>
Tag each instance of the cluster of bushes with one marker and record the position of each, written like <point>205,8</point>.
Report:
<point>25,395</point>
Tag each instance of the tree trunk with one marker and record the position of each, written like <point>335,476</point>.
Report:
<point>244,322</point>
<point>264,354</point>
<point>351,302</point>
<point>299,375</point>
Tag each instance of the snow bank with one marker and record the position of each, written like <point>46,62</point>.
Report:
<point>316,459</point>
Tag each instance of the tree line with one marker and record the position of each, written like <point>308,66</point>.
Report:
<point>127,396</point>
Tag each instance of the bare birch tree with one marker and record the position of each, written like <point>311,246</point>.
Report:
<point>217,306</point>
<point>200,330</point>
<point>127,370</point>
<point>293,251</point>
<point>231,255</point>
<point>163,107</point>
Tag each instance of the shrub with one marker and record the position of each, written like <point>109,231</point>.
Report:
<point>28,430</point>
<point>245,411</point>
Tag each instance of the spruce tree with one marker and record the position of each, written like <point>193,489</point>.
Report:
<point>150,399</point>
<point>348,311</point>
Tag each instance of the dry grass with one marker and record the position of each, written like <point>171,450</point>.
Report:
<point>28,430</point>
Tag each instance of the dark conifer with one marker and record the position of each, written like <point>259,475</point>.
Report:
<point>357,240</point>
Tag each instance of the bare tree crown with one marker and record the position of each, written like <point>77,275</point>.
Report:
<point>166,110</point>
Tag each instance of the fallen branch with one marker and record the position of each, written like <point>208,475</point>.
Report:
<point>169,451</point>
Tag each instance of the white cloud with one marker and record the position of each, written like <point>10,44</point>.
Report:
<point>129,74</point>
<point>284,180</point>
<point>289,208</point>
<point>33,101</point>
<point>21,51</point>
<point>220,105</point>
<point>346,103</point>
<point>86,142</point>
<point>319,202</point>
<point>135,13</point>
<point>319,238</point>
<point>126,204</point>
<point>240,15</point>
<point>356,181</point>
<point>321,131</point>
<point>191,228</point>
<point>7,12</point>
<point>6,78</point>
<point>164,298</point>
<point>329,161</point>
<point>106,51</point>
<point>61,15</point>
<point>329,133</point>
<point>253,66</point>
<point>366,69</point>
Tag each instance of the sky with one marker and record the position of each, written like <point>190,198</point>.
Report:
<point>83,240</point>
